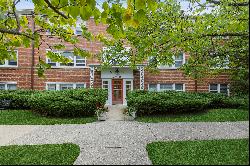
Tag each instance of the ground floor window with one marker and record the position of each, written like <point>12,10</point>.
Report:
<point>8,85</point>
<point>63,86</point>
<point>166,86</point>
<point>219,88</point>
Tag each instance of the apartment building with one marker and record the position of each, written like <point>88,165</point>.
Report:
<point>86,72</point>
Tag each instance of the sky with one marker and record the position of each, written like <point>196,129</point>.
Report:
<point>27,4</point>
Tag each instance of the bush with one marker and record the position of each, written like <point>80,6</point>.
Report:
<point>68,103</point>
<point>146,102</point>
<point>19,98</point>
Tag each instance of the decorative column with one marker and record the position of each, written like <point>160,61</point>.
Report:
<point>92,76</point>
<point>141,69</point>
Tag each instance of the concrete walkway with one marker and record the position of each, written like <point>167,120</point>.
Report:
<point>120,142</point>
<point>115,112</point>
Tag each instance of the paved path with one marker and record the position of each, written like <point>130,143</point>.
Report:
<point>121,142</point>
<point>115,112</point>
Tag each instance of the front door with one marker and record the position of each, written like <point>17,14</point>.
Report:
<point>117,91</point>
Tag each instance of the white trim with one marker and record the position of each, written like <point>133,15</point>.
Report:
<point>158,89</point>
<point>172,67</point>
<point>109,101</point>
<point>218,88</point>
<point>124,90</point>
<point>8,83</point>
<point>61,83</point>
<point>7,60</point>
<point>58,65</point>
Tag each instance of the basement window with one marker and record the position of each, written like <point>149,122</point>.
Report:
<point>8,86</point>
<point>63,86</point>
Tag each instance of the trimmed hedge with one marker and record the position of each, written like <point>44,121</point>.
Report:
<point>146,102</point>
<point>19,98</point>
<point>66,103</point>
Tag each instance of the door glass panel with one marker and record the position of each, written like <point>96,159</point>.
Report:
<point>117,91</point>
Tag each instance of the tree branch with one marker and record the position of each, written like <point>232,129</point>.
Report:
<point>16,17</point>
<point>15,32</point>
<point>55,9</point>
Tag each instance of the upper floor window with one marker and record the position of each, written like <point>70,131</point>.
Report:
<point>75,60</point>
<point>8,86</point>
<point>63,86</point>
<point>179,60</point>
<point>219,88</point>
<point>10,62</point>
<point>166,86</point>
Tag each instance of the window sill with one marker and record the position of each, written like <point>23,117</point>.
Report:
<point>8,66</point>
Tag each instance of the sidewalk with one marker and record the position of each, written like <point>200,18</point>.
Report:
<point>121,142</point>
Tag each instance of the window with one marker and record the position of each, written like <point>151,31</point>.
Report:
<point>219,88</point>
<point>68,55</point>
<point>76,61</point>
<point>167,86</point>
<point>63,86</point>
<point>152,87</point>
<point>128,86</point>
<point>8,86</point>
<point>80,86</point>
<point>66,86</point>
<point>178,62</point>
<point>10,62</point>
<point>179,87</point>
<point>105,84</point>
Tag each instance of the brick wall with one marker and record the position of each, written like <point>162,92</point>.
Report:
<point>22,73</point>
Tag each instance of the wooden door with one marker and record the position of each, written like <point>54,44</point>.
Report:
<point>117,91</point>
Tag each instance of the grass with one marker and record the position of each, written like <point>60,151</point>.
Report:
<point>215,115</point>
<point>26,117</point>
<point>49,154</point>
<point>212,152</point>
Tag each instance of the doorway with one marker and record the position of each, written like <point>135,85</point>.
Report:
<point>117,91</point>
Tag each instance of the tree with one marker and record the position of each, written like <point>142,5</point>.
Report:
<point>215,40</point>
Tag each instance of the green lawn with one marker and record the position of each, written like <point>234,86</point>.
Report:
<point>26,117</point>
<point>49,154</point>
<point>212,152</point>
<point>215,115</point>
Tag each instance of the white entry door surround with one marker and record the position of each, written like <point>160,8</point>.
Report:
<point>126,74</point>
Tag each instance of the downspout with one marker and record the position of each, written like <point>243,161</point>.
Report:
<point>32,54</point>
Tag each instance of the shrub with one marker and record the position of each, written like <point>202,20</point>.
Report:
<point>19,98</point>
<point>68,103</point>
<point>146,102</point>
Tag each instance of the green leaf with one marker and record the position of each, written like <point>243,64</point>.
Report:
<point>152,5</point>
<point>140,4</point>
<point>74,11</point>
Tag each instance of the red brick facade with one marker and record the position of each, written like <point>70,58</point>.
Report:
<point>22,73</point>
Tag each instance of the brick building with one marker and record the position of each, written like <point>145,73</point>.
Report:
<point>82,72</point>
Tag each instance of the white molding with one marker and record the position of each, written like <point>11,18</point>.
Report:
<point>58,66</point>
<point>60,83</point>
<point>8,83</point>
<point>158,89</point>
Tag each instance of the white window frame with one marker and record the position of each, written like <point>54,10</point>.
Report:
<point>218,88</point>
<point>173,65</point>
<point>8,83</point>
<point>6,61</point>
<point>158,89</point>
<point>61,83</point>
<point>58,64</point>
